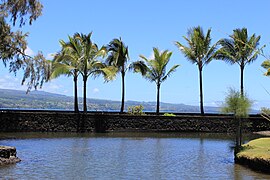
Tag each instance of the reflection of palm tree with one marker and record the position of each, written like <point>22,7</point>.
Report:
<point>155,69</point>
<point>198,52</point>
<point>239,49</point>
<point>118,58</point>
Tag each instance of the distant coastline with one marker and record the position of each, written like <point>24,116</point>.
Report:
<point>41,100</point>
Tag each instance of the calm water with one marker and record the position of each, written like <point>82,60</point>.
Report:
<point>124,156</point>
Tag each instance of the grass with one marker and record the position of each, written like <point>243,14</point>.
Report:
<point>256,149</point>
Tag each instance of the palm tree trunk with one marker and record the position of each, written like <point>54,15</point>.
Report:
<point>242,79</point>
<point>158,91</point>
<point>201,90</point>
<point>84,94</point>
<point>76,107</point>
<point>123,93</point>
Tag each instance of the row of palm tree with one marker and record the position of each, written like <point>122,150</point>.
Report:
<point>81,56</point>
<point>238,49</point>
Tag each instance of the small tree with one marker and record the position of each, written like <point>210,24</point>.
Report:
<point>239,105</point>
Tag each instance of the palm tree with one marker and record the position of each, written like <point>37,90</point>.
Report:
<point>88,54</point>
<point>199,51</point>
<point>239,49</point>
<point>118,58</point>
<point>66,62</point>
<point>154,69</point>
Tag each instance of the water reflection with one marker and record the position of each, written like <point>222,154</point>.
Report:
<point>124,156</point>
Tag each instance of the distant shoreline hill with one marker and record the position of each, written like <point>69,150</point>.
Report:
<point>15,99</point>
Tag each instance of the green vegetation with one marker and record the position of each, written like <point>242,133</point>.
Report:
<point>118,58</point>
<point>66,63</point>
<point>154,69</point>
<point>199,51</point>
<point>136,110</point>
<point>88,53</point>
<point>256,150</point>
<point>266,65</point>
<point>13,43</point>
<point>80,56</point>
<point>265,113</point>
<point>239,105</point>
<point>44,100</point>
<point>239,49</point>
<point>169,114</point>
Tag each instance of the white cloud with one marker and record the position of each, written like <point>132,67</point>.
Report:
<point>10,82</point>
<point>95,90</point>
<point>50,56</point>
<point>52,87</point>
<point>29,51</point>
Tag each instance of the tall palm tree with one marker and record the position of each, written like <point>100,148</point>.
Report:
<point>118,58</point>
<point>88,54</point>
<point>154,69</point>
<point>240,49</point>
<point>199,51</point>
<point>66,62</point>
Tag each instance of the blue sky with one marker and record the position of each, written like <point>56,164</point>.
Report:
<point>147,24</point>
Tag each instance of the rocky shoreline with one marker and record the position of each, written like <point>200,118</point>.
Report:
<point>8,155</point>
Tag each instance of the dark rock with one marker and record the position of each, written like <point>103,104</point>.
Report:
<point>8,155</point>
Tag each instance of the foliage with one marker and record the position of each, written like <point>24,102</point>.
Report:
<point>13,43</point>
<point>80,56</point>
<point>266,65</point>
<point>169,114</point>
<point>237,104</point>
<point>136,110</point>
<point>265,113</point>
<point>37,70</point>
<point>154,69</point>
<point>240,49</point>
<point>21,9</point>
<point>118,58</point>
<point>199,51</point>
<point>67,63</point>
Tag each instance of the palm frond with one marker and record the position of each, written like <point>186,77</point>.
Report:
<point>139,66</point>
<point>172,70</point>
<point>60,69</point>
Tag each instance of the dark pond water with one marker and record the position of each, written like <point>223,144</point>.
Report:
<point>124,156</point>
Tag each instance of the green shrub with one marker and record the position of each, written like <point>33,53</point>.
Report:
<point>169,114</point>
<point>136,110</point>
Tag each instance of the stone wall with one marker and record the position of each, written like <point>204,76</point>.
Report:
<point>57,121</point>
